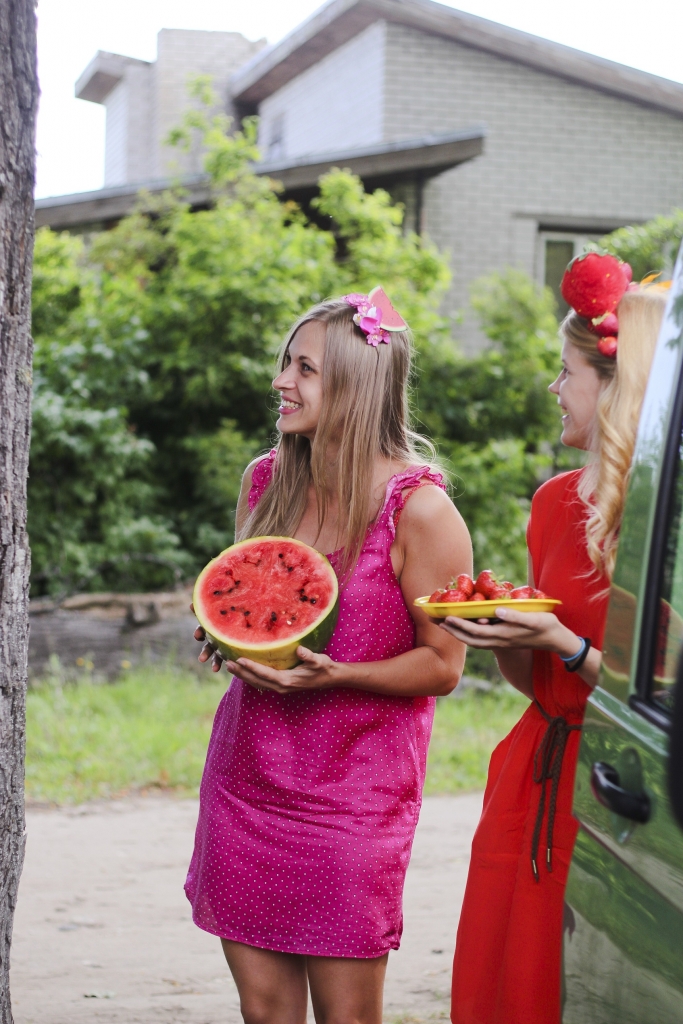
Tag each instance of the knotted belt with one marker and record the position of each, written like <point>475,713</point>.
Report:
<point>548,767</point>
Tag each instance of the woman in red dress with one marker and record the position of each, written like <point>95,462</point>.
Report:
<point>507,959</point>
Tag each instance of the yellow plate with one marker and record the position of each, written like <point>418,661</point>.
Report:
<point>483,609</point>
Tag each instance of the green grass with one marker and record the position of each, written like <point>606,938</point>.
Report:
<point>465,732</point>
<point>150,730</point>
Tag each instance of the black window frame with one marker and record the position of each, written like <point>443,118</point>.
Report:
<point>672,463</point>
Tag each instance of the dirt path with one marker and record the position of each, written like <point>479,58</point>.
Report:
<point>103,930</point>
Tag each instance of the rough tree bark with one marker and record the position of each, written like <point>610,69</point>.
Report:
<point>18,103</point>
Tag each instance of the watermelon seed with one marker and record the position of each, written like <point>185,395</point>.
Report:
<point>232,608</point>
<point>223,611</point>
<point>280,555</point>
<point>249,625</point>
<point>303,598</point>
<point>247,613</point>
<point>313,599</point>
<point>290,568</point>
<point>273,617</point>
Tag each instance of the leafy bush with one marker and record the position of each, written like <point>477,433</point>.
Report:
<point>154,356</point>
<point>155,347</point>
<point>650,248</point>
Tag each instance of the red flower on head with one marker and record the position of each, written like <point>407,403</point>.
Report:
<point>594,284</point>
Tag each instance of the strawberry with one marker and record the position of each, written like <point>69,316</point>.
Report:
<point>466,584</point>
<point>500,593</point>
<point>436,597</point>
<point>508,586</point>
<point>486,583</point>
<point>540,596</point>
<point>454,596</point>
<point>522,593</point>
<point>478,596</point>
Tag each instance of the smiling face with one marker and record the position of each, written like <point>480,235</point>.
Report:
<point>301,382</point>
<point>578,388</point>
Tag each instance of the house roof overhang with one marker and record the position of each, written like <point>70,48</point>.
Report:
<point>102,74</point>
<point>426,157</point>
<point>106,206</point>
<point>340,20</point>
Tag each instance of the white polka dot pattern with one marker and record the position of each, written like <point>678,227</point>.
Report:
<point>309,802</point>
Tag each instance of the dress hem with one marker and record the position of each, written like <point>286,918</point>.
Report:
<point>284,948</point>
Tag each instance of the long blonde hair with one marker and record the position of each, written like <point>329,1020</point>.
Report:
<point>604,482</point>
<point>364,412</point>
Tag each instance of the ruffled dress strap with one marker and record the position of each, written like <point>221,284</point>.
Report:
<point>400,488</point>
<point>261,476</point>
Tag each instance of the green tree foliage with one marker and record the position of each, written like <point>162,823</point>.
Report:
<point>650,248</point>
<point>91,515</point>
<point>495,418</point>
<point>155,350</point>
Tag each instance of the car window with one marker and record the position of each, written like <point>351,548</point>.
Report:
<point>669,635</point>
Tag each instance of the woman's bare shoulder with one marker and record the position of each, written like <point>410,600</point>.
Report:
<point>428,506</point>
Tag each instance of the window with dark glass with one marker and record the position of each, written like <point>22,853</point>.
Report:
<point>558,253</point>
<point>669,634</point>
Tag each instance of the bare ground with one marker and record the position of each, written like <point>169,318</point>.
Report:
<point>103,931</point>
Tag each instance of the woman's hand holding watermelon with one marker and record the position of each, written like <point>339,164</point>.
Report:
<point>316,672</point>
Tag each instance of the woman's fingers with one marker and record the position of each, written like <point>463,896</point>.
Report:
<point>199,634</point>
<point>216,662</point>
<point>309,658</point>
<point>527,620</point>
<point>206,652</point>
<point>260,681</point>
<point>262,673</point>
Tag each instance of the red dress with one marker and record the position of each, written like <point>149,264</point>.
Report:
<point>507,957</point>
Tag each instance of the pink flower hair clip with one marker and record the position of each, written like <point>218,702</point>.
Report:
<point>375,315</point>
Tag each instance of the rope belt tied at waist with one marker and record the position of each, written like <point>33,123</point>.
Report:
<point>548,766</point>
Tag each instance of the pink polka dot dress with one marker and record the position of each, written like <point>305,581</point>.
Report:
<point>309,801</point>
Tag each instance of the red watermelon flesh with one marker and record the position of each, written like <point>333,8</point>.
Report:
<point>391,320</point>
<point>266,595</point>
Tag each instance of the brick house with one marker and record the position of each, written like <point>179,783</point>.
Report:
<point>507,149</point>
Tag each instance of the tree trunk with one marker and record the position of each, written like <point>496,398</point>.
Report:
<point>18,102</point>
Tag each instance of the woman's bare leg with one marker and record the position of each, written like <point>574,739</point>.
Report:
<point>346,990</point>
<point>272,986</point>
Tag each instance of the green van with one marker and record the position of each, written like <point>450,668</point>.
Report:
<point>623,922</point>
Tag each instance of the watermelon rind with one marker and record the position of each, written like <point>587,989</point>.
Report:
<point>402,326</point>
<point>279,654</point>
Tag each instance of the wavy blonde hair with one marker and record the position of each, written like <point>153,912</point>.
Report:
<point>604,482</point>
<point>364,416</point>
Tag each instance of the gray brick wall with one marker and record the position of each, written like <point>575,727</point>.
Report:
<point>336,104</point>
<point>116,136</point>
<point>150,99</point>
<point>557,154</point>
<point>180,55</point>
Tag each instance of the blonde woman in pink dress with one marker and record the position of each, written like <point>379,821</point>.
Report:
<point>313,778</point>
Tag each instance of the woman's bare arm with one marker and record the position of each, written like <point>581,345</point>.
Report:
<point>514,639</point>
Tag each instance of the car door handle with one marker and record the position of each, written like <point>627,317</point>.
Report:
<point>608,792</point>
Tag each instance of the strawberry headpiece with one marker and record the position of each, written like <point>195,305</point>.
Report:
<point>375,315</point>
<point>593,285</point>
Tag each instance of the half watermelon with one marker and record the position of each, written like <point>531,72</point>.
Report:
<point>264,596</point>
